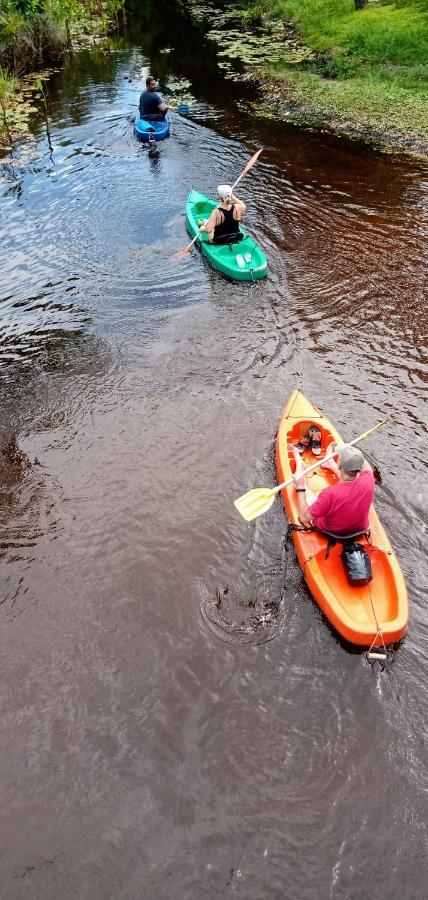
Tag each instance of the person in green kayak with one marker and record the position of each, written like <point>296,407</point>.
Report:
<point>222,227</point>
<point>152,106</point>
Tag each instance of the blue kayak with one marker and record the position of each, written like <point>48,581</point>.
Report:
<point>157,130</point>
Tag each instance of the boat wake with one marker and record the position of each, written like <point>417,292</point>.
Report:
<point>239,621</point>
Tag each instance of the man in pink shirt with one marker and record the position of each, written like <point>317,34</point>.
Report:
<point>341,508</point>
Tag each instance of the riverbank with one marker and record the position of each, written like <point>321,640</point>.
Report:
<point>367,78</point>
<point>33,38</point>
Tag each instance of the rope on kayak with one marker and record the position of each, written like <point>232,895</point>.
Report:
<point>370,653</point>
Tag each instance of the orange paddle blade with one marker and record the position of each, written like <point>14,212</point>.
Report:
<point>179,253</point>
<point>184,250</point>
<point>252,161</point>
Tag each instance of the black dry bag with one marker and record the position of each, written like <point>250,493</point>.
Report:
<point>357,563</point>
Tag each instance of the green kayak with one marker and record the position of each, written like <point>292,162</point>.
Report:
<point>243,261</point>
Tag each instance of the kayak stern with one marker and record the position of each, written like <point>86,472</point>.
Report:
<point>148,131</point>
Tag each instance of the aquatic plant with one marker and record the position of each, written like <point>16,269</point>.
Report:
<point>267,43</point>
<point>9,87</point>
<point>40,88</point>
<point>177,90</point>
<point>253,15</point>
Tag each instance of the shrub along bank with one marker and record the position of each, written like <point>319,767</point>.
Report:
<point>34,33</point>
<point>370,70</point>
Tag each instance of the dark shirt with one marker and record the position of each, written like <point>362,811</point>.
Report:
<point>227,231</point>
<point>149,104</point>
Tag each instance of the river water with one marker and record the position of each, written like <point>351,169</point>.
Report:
<point>178,720</point>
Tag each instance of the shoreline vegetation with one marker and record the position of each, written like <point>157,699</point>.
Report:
<point>366,75</point>
<point>357,68</point>
<point>34,34</point>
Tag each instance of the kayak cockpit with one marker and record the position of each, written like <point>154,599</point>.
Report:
<point>240,261</point>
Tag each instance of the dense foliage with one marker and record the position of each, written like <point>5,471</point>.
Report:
<point>32,31</point>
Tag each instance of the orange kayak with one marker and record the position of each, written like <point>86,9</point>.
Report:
<point>351,610</point>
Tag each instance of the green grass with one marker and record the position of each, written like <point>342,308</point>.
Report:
<point>393,31</point>
<point>319,21</point>
<point>372,63</point>
<point>374,104</point>
<point>388,35</point>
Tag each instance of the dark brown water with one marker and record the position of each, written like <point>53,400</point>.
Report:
<point>153,746</point>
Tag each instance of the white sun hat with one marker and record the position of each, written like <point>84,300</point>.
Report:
<point>225,191</point>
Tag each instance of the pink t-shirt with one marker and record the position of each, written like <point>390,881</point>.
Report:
<point>344,507</point>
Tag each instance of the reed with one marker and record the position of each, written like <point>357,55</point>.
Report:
<point>9,87</point>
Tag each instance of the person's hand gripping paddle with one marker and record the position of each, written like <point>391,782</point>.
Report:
<point>256,502</point>
<point>184,250</point>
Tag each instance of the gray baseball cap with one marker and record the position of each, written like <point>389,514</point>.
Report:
<point>351,459</point>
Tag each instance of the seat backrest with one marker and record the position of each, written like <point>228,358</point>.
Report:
<point>333,539</point>
<point>343,536</point>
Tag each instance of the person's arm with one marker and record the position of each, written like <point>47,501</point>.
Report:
<point>309,514</point>
<point>210,224</point>
<point>331,464</point>
<point>240,207</point>
<point>302,506</point>
<point>161,107</point>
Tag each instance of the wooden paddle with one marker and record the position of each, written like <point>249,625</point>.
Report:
<point>256,502</point>
<point>179,253</point>
<point>248,167</point>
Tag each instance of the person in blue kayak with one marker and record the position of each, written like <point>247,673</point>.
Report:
<point>152,106</point>
<point>222,227</point>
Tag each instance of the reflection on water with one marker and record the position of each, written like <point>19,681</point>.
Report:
<point>159,747</point>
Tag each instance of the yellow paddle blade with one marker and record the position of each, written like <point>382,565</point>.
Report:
<point>254,503</point>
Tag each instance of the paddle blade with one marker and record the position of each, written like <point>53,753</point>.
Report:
<point>251,162</point>
<point>179,253</point>
<point>254,503</point>
<point>248,167</point>
<point>184,250</point>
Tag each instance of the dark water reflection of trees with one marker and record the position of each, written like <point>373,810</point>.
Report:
<point>156,26</point>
